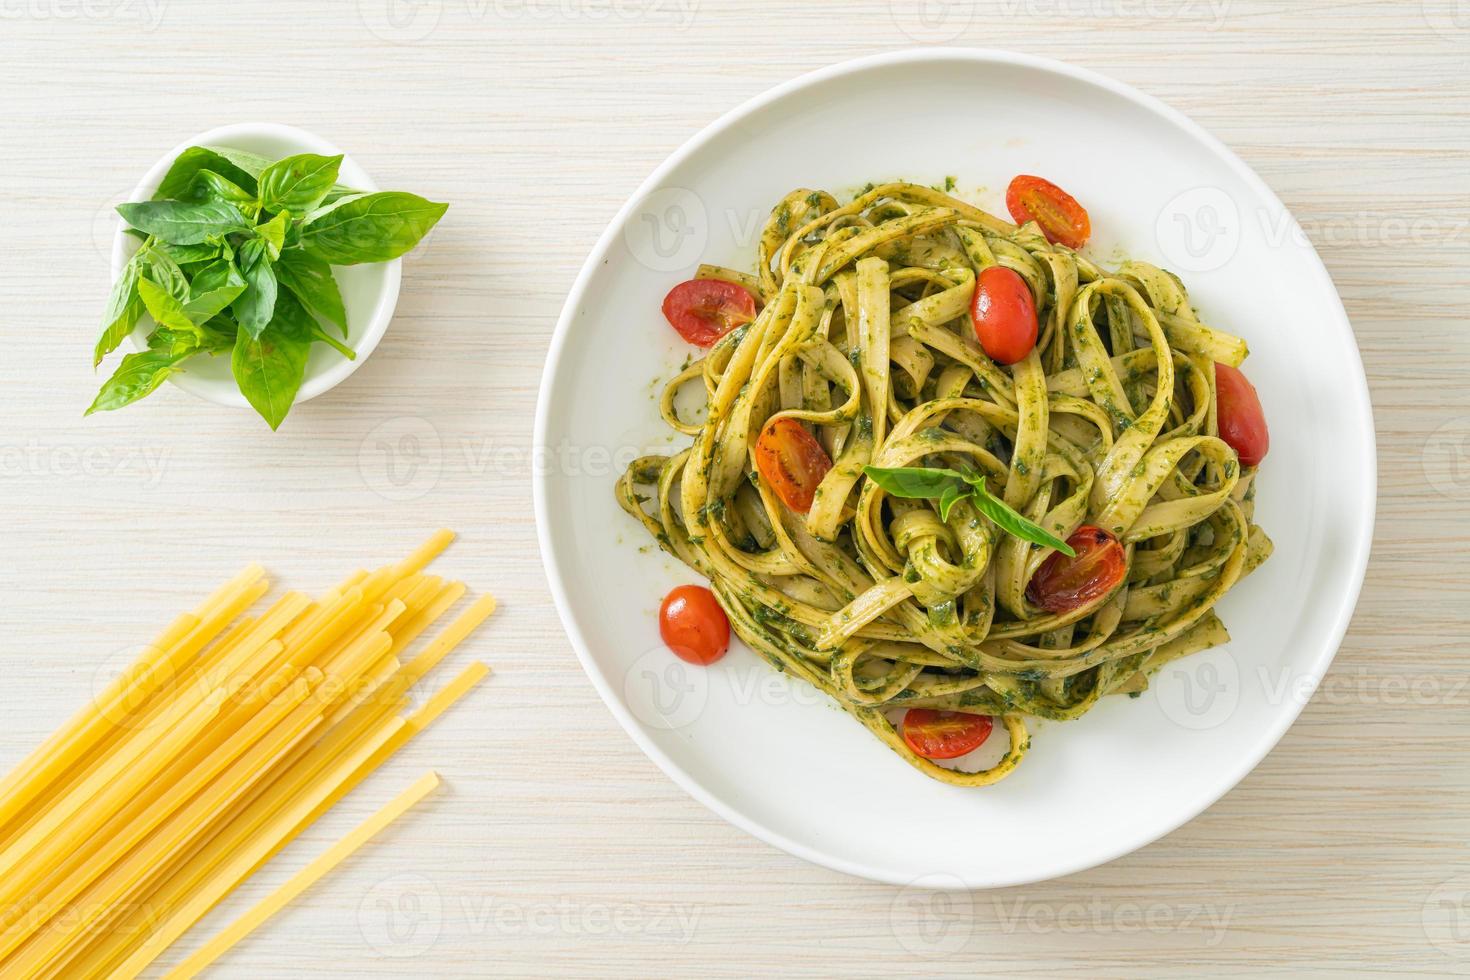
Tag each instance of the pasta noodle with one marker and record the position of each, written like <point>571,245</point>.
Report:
<point>217,749</point>
<point>303,880</point>
<point>865,338</point>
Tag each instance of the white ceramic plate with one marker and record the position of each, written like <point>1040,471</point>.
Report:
<point>369,292</point>
<point>777,759</point>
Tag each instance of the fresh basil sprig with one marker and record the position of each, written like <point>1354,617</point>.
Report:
<point>236,255</point>
<point>952,486</point>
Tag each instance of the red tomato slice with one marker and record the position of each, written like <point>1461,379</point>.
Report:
<point>1238,411</point>
<point>945,734</point>
<point>1062,584</point>
<point>704,310</point>
<point>1004,314</point>
<point>1061,218</point>
<point>693,625</point>
<point>791,462</point>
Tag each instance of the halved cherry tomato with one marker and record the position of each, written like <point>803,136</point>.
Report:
<point>1238,410</point>
<point>1061,218</point>
<point>1004,314</point>
<point>1062,584</point>
<point>704,310</point>
<point>693,625</point>
<point>791,462</point>
<point>945,734</point>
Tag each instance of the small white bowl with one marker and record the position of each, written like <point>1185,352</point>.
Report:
<point>369,292</point>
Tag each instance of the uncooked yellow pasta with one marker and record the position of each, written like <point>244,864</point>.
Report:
<point>206,758</point>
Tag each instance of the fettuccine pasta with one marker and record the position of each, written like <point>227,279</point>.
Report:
<point>865,338</point>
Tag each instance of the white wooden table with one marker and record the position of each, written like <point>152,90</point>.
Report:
<point>559,849</point>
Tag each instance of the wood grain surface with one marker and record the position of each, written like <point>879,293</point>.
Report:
<point>558,849</point>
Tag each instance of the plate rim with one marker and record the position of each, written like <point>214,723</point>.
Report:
<point>1342,615</point>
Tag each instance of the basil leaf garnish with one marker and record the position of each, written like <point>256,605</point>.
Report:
<point>138,375</point>
<point>184,222</point>
<point>950,487</point>
<point>1003,517</point>
<point>210,186</point>
<point>914,481</point>
<point>370,228</point>
<point>269,367</point>
<point>187,165</point>
<point>310,278</point>
<point>255,307</point>
<point>951,496</point>
<point>166,310</point>
<point>298,183</point>
<point>273,233</point>
<point>188,254</point>
<point>124,310</point>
